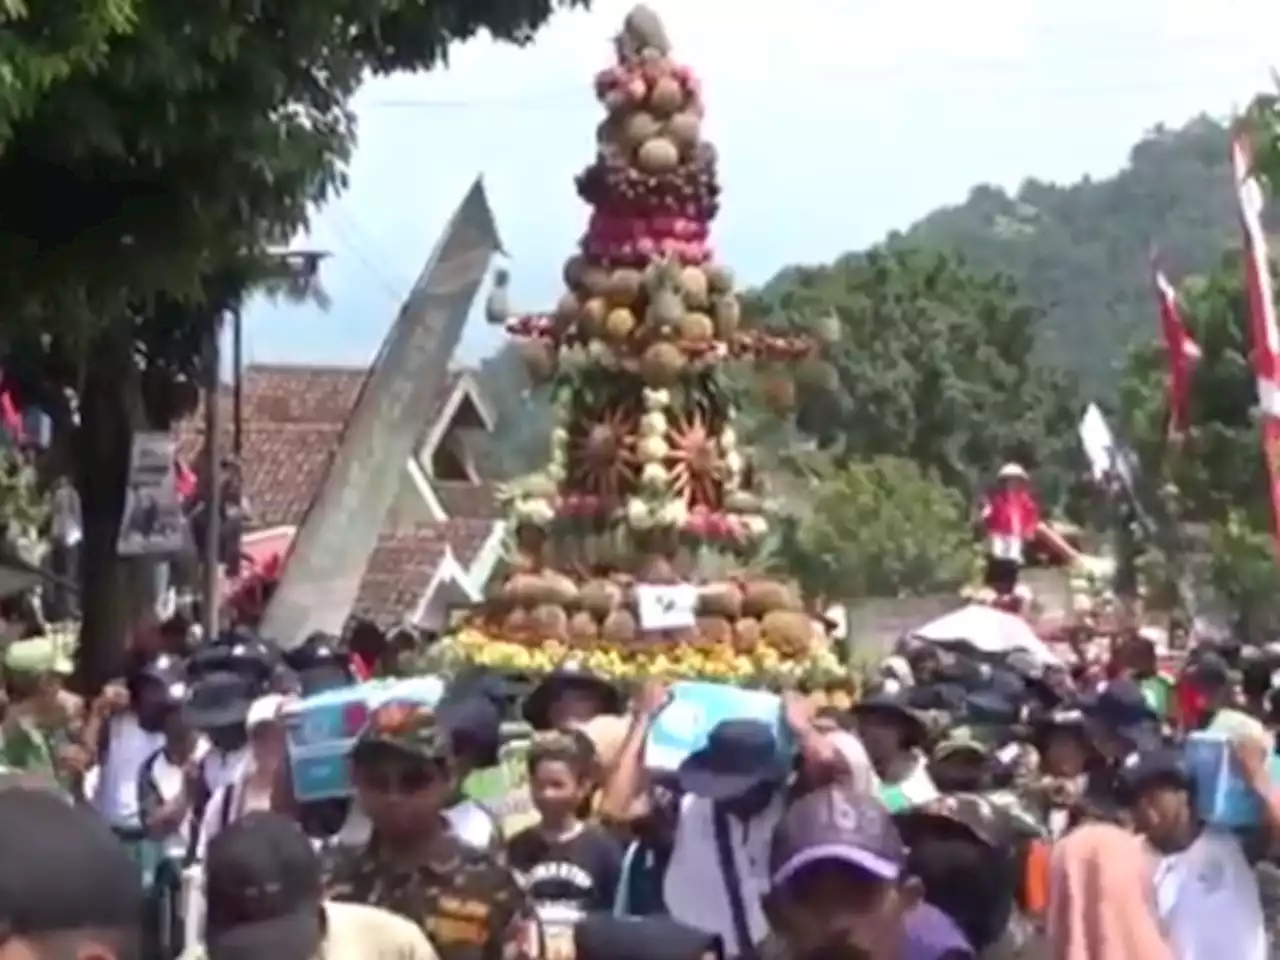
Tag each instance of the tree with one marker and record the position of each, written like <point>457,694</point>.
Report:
<point>144,190</point>
<point>883,528</point>
<point>936,364</point>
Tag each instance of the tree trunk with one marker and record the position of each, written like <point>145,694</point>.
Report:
<point>109,408</point>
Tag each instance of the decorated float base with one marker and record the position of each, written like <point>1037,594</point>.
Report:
<point>817,671</point>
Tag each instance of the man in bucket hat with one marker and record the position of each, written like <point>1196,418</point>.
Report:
<point>895,734</point>
<point>733,795</point>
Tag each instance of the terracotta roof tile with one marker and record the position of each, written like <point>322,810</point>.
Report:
<point>463,500</point>
<point>399,572</point>
<point>467,535</point>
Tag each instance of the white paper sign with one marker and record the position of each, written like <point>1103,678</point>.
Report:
<point>666,606</point>
<point>152,522</point>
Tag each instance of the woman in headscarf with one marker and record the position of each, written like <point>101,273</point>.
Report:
<point>1102,898</point>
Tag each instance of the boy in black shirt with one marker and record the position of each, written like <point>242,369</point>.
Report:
<point>569,867</point>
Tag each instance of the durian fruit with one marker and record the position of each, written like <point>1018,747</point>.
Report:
<point>693,287</point>
<point>684,129</point>
<point>549,622</point>
<point>657,568</point>
<point>662,365</point>
<point>720,600</point>
<point>624,287</point>
<point>523,590</point>
<point>787,630</point>
<point>666,97</point>
<point>638,128</point>
<point>584,631</point>
<point>516,624</point>
<point>600,597</point>
<point>619,629</point>
<point>719,278</point>
<point>764,596</point>
<point>696,327</point>
<point>726,313</point>
<point>558,589</point>
<point>591,316</point>
<point>539,358</point>
<point>746,633</point>
<point>619,323</point>
<point>715,631</point>
<point>594,281</point>
<point>573,271</point>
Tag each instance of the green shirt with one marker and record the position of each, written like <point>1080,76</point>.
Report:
<point>24,747</point>
<point>1157,691</point>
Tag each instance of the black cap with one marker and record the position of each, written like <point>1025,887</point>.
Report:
<point>63,869</point>
<point>263,891</point>
<point>606,937</point>
<point>219,700</point>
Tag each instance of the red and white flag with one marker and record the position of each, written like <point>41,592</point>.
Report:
<point>1264,332</point>
<point>1181,351</point>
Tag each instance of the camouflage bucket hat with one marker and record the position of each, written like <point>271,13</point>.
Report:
<point>407,729</point>
<point>986,822</point>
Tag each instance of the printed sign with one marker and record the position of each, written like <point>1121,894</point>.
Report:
<point>666,607</point>
<point>152,522</point>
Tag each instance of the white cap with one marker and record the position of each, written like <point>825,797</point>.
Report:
<point>264,710</point>
<point>1012,471</point>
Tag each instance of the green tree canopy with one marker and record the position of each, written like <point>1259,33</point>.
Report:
<point>152,156</point>
<point>881,528</point>
<point>936,363</point>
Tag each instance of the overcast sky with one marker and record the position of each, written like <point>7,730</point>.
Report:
<point>836,120</point>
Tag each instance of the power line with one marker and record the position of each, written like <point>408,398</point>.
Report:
<point>361,242</point>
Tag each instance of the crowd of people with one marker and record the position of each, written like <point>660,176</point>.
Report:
<point>969,805</point>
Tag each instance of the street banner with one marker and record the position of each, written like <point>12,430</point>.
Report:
<point>1264,334</point>
<point>152,523</point>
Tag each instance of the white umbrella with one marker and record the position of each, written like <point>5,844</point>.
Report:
<point>988,630</point>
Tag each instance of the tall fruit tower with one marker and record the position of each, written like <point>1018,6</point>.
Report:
<point>647,482</point>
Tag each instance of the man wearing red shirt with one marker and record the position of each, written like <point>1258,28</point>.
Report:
<point>1011,516</point>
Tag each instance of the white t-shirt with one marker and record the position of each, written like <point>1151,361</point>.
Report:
<point>169,781</point>
<point>228,803</point>
<point>694,887</point>
<point>115,789</point>
<point>1208,900</point>
<point>358,932</point>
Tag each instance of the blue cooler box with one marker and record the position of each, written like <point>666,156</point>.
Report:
<point>1223,799</point>
<point>323,727</point>
<point>695,709</point>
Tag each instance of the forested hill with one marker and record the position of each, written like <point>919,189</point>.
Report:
<point>1080,252</point>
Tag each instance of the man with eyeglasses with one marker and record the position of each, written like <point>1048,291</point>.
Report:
<point>466,900</point>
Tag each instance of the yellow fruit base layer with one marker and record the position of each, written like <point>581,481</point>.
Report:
<point>762,665</point>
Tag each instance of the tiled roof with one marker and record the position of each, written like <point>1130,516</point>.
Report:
<point>399,572</point>
<point>462,500</point>
<point>293,422</point>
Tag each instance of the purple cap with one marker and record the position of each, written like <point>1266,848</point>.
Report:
<point>835,823</point>
<point>930,934</point>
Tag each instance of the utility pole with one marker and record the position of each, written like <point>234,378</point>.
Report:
<point>237,383</point>
<point>213,480</point>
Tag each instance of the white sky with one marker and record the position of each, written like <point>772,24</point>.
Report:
<point>836,120</point>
